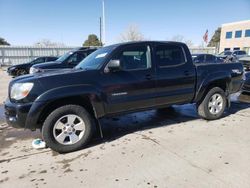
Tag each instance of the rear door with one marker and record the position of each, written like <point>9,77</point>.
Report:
<point>133,87</point>
<point>210,59</point>
<point>176,75</point>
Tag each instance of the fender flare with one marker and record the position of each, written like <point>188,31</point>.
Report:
<point>220,77</point>
<point>54,94</point>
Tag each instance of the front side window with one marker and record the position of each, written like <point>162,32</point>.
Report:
<point>169,55</point>
<point>65,56</point>
<point>51,58</point>
<point>135,58</point>
<point>75,58</point>
<point>229,35</point>
<point>200,59</point>
<point>238,34</point>
<point>38,60</point>
<point>247,33</point>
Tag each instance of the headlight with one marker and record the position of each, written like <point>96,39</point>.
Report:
<point>34,70</point>
<point>20,90</point>
<point>12,68</point>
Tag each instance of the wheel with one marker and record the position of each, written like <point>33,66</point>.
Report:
<point>20,72</point>
<point>68,128</point>
<point>213,105</point>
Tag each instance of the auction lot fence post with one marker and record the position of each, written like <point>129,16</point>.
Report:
<point>12,55</point>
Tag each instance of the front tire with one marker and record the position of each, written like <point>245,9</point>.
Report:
<point>21,72</point>
<point>213,105</point>
<point>68,128</point>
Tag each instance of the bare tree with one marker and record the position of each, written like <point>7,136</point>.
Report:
<point>132,33</point>
<point>180,38</point>
<point>48,43</point>
<point>189,43</point>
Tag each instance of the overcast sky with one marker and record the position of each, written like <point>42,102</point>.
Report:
<point>24,22</point>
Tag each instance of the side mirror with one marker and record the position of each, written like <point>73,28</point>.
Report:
<point>114,65</point>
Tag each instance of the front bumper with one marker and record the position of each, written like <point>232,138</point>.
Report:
<point>16,114</point>
<point>11,72</point>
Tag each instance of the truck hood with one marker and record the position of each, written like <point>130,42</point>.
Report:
<point>44,82</point>
<point>30,77</point>
<point>47,64</point>
<point>19,65</point>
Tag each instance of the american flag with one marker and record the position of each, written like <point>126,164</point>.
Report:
<point>205,37</point>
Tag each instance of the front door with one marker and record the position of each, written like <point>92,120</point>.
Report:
<point>132,87</point>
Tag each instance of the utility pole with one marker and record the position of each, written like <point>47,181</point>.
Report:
<point>103,24</point>
<point>101,30</point>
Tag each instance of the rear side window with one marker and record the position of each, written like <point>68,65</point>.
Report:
<point>51,58</point>
<point>169,55</point>
<point>242,53</point>
<point>135,58</point>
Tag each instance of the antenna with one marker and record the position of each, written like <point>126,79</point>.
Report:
<point>103,24</point>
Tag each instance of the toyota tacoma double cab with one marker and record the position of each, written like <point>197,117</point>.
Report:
<point>122,78</point>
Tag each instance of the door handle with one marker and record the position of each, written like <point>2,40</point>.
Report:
<point>149,77</point>
<point>186,73</point>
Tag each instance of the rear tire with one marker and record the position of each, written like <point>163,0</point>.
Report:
<point>213,105</point>
<point>68,128</point>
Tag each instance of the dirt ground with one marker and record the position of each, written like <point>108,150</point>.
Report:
<point>147,149</point>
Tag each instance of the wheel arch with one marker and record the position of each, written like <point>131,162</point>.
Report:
<point>83,95</point>
<point>222,82</point>
<point>83,101</point>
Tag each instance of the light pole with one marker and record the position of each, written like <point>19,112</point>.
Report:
<point>103,24</point>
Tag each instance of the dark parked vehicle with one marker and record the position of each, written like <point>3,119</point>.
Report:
<point>113,80</point>
<point>68,60</point>
<point>246,85</point>
<point>206,58</point>
<point>21,69</point>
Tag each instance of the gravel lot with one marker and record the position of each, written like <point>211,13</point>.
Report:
<point>146,149</point>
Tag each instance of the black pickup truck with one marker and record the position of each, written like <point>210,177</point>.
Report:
<point>113,80</point>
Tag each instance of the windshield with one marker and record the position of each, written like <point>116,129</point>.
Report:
<point>96,59</point>
<point>225,53</point>
<point>65,56</point>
